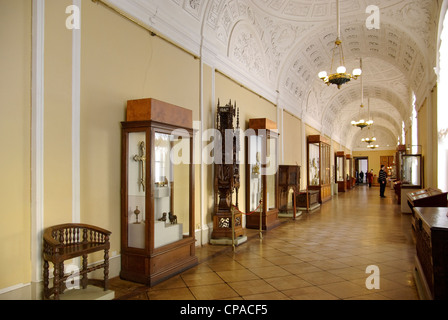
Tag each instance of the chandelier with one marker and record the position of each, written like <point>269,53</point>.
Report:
<point>341,76</point>
<point>369,140</point>
<point>373,146</point>
<point>363,123</point>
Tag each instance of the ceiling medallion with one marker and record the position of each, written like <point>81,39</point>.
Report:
<point>341,76</point>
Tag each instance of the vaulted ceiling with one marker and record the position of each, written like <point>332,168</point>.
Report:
<point>277,48</point>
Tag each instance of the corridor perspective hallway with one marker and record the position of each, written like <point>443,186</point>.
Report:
<point>323,255</point>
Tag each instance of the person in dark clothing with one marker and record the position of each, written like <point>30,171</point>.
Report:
<point>370,178</point>
<point>382,176</point>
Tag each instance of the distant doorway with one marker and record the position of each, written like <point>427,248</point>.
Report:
<point>361,167</point>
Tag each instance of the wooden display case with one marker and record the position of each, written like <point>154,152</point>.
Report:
<point>426,198</point>
<point>318,166</point>
<point>432,251</point>
<point>339,160</point>
<point>289,185</point>
<point>411,178</point>
<point>157,192</point>
<point>261,174</point>
<point>349,171</point>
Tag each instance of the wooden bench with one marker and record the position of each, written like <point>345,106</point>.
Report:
<point>68,241</point>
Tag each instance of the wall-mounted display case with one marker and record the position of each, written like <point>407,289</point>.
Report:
<point>340,178</point>
<point>261,174</point>
<point>318,166</point>
<point>157,207</point>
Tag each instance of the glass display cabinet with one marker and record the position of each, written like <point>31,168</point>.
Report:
<point>412,171</point>
<point>289,186</point>
<point>339,161</point>
<point>348,171</point>
<point>157,207</point>
<point>261,175</point>
<point>318,166</point>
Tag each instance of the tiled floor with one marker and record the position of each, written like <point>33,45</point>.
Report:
<point>322,255</point>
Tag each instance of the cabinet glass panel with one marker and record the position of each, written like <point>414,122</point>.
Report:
<point>254,161</point>
<point>325,173</point>
<point>411,170</point>
<point>171,189</point>
<point>340,169</point>
<point>347,169</point>
<point>136,189</point>
<point>271,171</point>
<point>314,165</point>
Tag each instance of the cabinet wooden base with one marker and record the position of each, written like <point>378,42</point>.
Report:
<point>222,227</point>
<point>269,221</point>
<point>159,266</point>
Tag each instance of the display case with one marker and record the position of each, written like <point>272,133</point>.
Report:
<point>289,186</point>
<point>431,237</point>
<point>412,171</point>
<point>261,175</point>
<point>157,194</point>
<point>411,178</point>
<point>340,178</point>
<point>318,166</point>
<point>429,197</point>
<point>349,171</point>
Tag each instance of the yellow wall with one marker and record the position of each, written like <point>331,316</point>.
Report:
<point>57,115</point>
<point>292,140</point>
<point>122,61</point>
<point>15,143</point>
<point>423,136</point>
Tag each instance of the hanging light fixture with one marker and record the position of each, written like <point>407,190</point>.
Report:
<point>373,146</point>
<point>363,123</point>
<point>369,139</point>
<point>341,76</point>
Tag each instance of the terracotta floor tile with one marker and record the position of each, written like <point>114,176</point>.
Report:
<point>237,275</point>
<point>171,294</point>
<point>309,293</point>
<point>200,279</point>
<point>214,292</point>
<point>270,272</point>
<point>287,282</point>
<point>251,287</point>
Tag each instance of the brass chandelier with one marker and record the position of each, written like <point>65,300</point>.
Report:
<point>363,123</point>
<point>369,139</point>
<point>341,76</point>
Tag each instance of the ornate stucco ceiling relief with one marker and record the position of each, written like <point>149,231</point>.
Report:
<point>281,45</point>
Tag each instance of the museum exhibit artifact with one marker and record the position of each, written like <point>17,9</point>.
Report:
<point>289,187</point>
<point>157,192</point>
<point>227,175</point>
<point>340,171</point>
<point>261,174</point>
<point>318,166</point>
